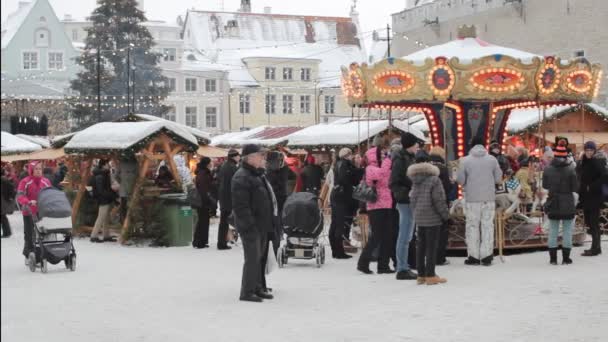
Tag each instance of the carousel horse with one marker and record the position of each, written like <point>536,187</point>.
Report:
<point>507,197</point>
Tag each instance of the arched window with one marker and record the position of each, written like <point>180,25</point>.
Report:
<point>42,38</point>
<point>43,19</point>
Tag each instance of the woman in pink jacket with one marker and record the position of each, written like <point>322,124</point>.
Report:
<point>378,174</point>
<point>27,195</point>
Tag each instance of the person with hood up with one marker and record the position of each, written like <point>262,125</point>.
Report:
<point>225,174</point>
<point>400,186</point>
<point>593,176</point>
<point>27,197</point>
<point>503,162</point>
<point>430,209</point>
<point>312,175</point>
<point>203,186</point>
<point>377,174</point>
<point>105,196</point>
<point>437,158</point>
<point>561,182</point>
<point>479,173</point>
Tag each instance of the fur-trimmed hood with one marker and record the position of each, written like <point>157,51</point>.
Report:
<point>420,172</point>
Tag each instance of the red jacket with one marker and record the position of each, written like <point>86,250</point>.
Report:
<point>28,190</point>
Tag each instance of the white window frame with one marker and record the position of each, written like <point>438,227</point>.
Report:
<point>48,59</point>
<point>270,104</point>
<point>287,74</point>
<point>305,104</point>
<point>208,115</point>
<point>171,114</point>
<point>211,85</point>
<point>167,56</point>
<point>287,104</point>
<point>270,73</point>
<point>330,104</point>
<point>23,52</point>
<point>244,104</point>
<point>172,85</point>
<point>190,89</point>
<point>190,116</point>
<point>305,74</point>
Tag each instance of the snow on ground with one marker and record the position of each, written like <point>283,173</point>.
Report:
<point>181,294</point>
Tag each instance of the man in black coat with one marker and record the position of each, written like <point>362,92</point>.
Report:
<point>105,196</point>
<point>225,174</point>
<point>255,212</point>
<point>312,175</point>
<point>593,174</point>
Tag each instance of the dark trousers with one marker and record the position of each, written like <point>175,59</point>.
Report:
<point>6,226</point>
<point>442,247</point>
<point>201,235</point>
<point>394,234</point>
<point>428,239</point>
<point>28,235</point>
<point>380,221</point>
<point>123,209</point>
<point>592,220</point>
<point>253,268</point>
<point>339,212</point>
<point>411,252</point>
<point>266,245</point>
<point>223,228</point>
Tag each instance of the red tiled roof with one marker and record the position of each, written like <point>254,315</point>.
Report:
<point>275,132</point>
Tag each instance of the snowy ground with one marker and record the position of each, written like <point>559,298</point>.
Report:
<point>180,294</point>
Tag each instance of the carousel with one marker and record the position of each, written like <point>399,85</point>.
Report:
<point>467,88</point>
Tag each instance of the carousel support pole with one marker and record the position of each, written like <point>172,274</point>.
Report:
<point>84,180</point>
<point>584,128</point>
<point>136,193</point>
<point>544,129</point>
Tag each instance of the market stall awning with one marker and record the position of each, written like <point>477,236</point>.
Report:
<point>12,144</point>
<point>269,136</point>
<point>578,138</point>
<point>46,154</point>
<point>212,152</point>
<point>202,137</point>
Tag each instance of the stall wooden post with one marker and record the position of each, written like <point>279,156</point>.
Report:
<point>84,180</point>
<point>169,158</point>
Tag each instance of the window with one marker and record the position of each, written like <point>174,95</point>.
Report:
<point>190,84</point>
<point>287,104</point>
<point>270,73</point>
<point>211,117</point>
<point>75,35</point>
<point>191,116</point>
<point>41,38</point>
<point>172,84</point>
<point>170,114</point>
<point>330,104</point>
<point>288,73</point>
<point>244,104</point>
<point>43,19</point>
<point>271,104</point>
<point>169,55</point>
<point>56,60</point>
<point>30,60</point>
<point>305,74</point>
<point>579,53</point>
<point>305,104</point>
<point>210,85</point>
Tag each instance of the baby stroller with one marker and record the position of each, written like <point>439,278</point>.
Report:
<point>302,223</point>
<point>54,219</point>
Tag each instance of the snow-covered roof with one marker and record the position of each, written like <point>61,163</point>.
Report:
<point>61,140</point>
<point>521,119</point>
<point>13,22</point>
<point>122,135</point>
<point>200,135</point>
<point>332,42</point>
<point>14,88</point>
<point>467,49</point>
<point>12,144</point>
<point>263,135</point>
<point>346,132</point>
<point>38,140</point>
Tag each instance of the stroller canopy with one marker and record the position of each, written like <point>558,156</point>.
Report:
<point>301,215</point>
<point>53,203</point>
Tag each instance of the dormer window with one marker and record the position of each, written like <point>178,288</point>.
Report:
<point>43,19</point>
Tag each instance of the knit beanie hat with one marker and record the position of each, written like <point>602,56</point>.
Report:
<point>408,140</point>
<point>590,145</point>
<point>344,152</point>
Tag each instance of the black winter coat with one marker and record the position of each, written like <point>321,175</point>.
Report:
<point>593,174</point>
<point>102,187</point>
<point>227,171</point>
<point>312,176</point>
<point>444,174</point>
<point>204,181</point>
<point>278,180</point>
<point>560,179</point>
<point>400,184</point>
<point>8,196</point>
<point>252,204</point>
<point>346,177</point>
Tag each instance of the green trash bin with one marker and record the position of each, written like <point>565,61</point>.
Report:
<point>177,219</point>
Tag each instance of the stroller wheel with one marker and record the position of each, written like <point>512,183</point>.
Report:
<point>72,262</point>
<point>318,259</point>
<point>280,257</point>
<point>44,267</point>
<point>322,254</point>
<point>31,261</point>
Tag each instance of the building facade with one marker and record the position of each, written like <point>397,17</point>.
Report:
<point>564,28</point>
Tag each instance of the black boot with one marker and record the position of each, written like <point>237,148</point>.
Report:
<point>487,261</point>
<point>553,256</point>
<point>472,261</point>
<point>364,268</point>
<point>566,256</point>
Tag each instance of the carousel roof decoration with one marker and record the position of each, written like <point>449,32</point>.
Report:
<point>467,87</point>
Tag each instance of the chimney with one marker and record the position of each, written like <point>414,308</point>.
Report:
<point>267,10</point>
<point>245,6</point>
<point>23,4</point>
<point>67,17</point>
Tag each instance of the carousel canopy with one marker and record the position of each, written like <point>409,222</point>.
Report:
<point>12,144</point>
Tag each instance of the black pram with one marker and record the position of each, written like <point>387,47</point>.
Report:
<point>54,219</point>
<point>302,223</point>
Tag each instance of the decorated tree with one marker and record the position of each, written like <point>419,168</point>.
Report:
<point>115,42</point>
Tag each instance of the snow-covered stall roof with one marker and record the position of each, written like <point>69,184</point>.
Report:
<point>108,136</point>
<point>38,140</point>
<point>61,140</point>
<point>202,137</point>
<point>522,119</point>
<point>331,41</point>
<point>345,132</point>
<point>468,49</point>
<point>13,22</point>
<point>12,144</point>
<point>263,135</point>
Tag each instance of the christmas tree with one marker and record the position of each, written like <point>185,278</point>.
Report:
<point>118,49</point>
